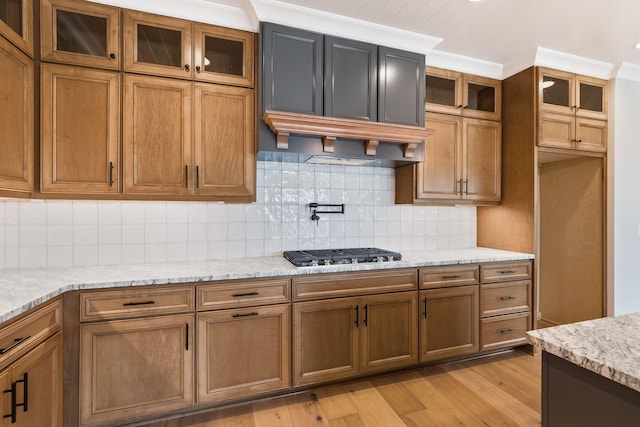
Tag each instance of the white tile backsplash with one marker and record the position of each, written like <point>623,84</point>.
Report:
<point>76,233</point>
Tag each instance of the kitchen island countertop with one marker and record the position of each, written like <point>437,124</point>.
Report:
<point>23,289</point>
<point>609,346</point>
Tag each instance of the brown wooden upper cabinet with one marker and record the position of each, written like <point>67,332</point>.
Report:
<point>16,132</point>
<point>172,47</point>
<point>456,93</point>
<point>82,33</point>
<point>16,23</point>
<point>572,111</point>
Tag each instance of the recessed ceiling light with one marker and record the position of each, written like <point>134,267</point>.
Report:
<point>474,1</point>
<point>638,45</point>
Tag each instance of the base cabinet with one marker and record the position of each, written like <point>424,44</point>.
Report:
<point>135,368</point>
<point>32,387</point>
<point>341,338</point>
<point>243,352</point>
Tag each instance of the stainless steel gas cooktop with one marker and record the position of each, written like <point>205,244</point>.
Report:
<point>340,256</point>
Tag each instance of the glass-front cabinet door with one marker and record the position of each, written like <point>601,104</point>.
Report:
<point>16,23</point>
<point>83,33</point>
<point>556,91</point>
<point>456,93</point>
<point>158,45</point>
<point>443,91</point>
<point>591,97</point>
<point>481,97</point>
<point>223,55</point>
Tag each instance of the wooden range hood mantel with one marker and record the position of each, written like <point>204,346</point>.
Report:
<point>284,124</point>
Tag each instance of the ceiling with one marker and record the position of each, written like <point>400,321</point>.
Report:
<point>501,30</point>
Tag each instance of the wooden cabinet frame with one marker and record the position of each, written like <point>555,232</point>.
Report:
<point>23,41</point>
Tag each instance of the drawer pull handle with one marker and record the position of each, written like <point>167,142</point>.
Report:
<point>246,314</point>
<point>14,397</point>
<point>129,304</point>
<point>508,272</point>
<point>14,411</point>
<point>507,298</point>
<point>506,331</point>
<point>248,294</point>
<point>16,342</point>
<point>451,277</point>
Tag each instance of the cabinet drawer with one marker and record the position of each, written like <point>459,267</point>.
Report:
<point>354,283</point>
<point>505,298</point>
<point>455,275</point>
<point>127,303</point>
<point>505,271</point>
<point>504,331</point>
<point>242,293</point>
<point>29,331</point>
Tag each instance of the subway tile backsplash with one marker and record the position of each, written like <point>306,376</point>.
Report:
<point>37,233</point>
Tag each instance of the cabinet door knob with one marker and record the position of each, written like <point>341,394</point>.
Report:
<point>197,68</point>
<point>112,55</point>
<point>579,141</point>
<point>186,67</point>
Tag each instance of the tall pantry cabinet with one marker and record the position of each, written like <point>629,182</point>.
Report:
<point>553,194</point>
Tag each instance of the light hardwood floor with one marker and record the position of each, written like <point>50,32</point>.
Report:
<point>498,390</point>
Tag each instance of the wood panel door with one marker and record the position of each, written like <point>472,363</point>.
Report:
<point>243,352</point>
<point>389,331</point>
<point>16,132</point>
<point>572,241</point>
<point>224,141</point>
<point>135,368</point>
<point>591,135</point>
<point>156,135</point>
<point>79,156</point>
<point>78,32</point>
<point>38,382</point>
<point>16,24</point>
<point>556,130</point>
<point>449,322</point>
<point>5,398</point>
<point>482,153</point>
<point>438,177</point>
<point>325,340</point>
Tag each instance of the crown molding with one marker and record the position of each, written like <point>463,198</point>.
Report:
<point>627,71</point>
<point>573,63</point>
<point>328,23</point>
<point>464,64</point>
<point>227,13</point>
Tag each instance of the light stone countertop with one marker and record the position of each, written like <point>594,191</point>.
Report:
<point>609,346</point>
<point>21,290</point>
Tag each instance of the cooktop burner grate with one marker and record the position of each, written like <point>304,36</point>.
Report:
<point>340,256</point>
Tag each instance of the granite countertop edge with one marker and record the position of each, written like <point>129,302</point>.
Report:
<point>607,346</point>
<point>24,289</point>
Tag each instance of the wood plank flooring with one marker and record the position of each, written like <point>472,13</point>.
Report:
<point>498,390</point>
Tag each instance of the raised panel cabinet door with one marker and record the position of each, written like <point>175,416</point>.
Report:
<point>158,45</point>
<point>16,23</point>
<point>591,135</point>
<point>135,368</point>
<point>38,382</point>
<point>6,408</point>
<point>156,133</point>
<point>556,130</point>
<point>79,32</point>
<point>325,340</point>
<point>79,156</point>
<point>16,132</point>
<point>482,154</point>
<point>292,76</point>
<point>438,177</point>
<point>449,322</point>
<point>401,84</point>
<point>351,79</point>
<point>225,141</point>
<point>224,55</point>
<point>243,352</point>
<point>389,331</point>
